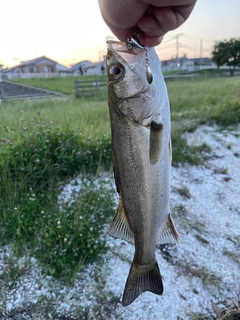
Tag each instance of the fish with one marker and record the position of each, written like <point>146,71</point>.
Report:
<point>141,154</point>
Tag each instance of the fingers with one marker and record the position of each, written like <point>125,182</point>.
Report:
<point>163,20</point>
<point>182,13</point>
<point>123,13</point>
<point>150,41</point>
<point>150,25</point>
<point>169,3</point>
<point>153,17</point>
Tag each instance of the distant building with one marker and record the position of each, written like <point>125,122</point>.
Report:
<point>185,64</point>
<point>77,68</point>
<point>62,70</point>
<point>38,67</point>
<point>88,68</point>
<point>98,68</point>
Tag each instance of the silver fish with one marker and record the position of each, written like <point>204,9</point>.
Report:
<point>141,151</point>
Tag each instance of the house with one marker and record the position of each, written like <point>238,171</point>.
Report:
<point>204,63</point>
<point>44,67</point>
<point>62,70</point>
<point>77,68</point>
<point>98,68</point>
<point>185,64</point>
<point>87,68</point>
<point>38,67</point>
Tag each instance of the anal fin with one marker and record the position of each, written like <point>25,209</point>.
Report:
<point>168,234</point>
<point>120,227</point>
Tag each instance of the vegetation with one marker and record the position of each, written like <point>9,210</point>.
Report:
<point>227,52</point>
<point>46,143</point>
<point>60,84</point>
<point>37,153</point>
<point>184,192</point>
<point>211,101</point>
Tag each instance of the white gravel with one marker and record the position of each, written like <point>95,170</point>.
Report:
<point>204,266</point>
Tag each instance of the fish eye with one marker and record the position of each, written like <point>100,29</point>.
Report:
<point>149,75</point>
<point>116,71</point>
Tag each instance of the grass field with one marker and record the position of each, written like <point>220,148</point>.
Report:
<point>64,85</point>
<point>44,143</point>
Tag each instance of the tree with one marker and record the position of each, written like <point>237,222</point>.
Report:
<point>227,52</point>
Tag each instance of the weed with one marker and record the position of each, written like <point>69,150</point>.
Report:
<point>235,256</point>
<point>208,278</point>
<point>188,222</point>
<point>219,104</point>
<point>72,235</point>
<point>179,210</point>
<point>31,169</point>
<point>12,274</point>
<point>226,114</point>
<point>184,153</point>
<point>183,191</point>
<point>198,316</point>
<point>221,170</point>
<point>201,239</point>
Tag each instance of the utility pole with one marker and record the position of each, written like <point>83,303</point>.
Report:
<point>201,48</point>
<point>177,43</point>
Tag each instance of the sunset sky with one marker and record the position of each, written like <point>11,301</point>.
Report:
<point>73,30</point>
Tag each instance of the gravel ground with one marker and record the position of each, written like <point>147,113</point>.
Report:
<point>204,266</point>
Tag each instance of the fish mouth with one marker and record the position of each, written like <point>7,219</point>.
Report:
<point>118,46</point>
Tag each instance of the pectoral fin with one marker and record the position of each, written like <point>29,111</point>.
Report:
<point>156,131</point>
<point>120,227</point>
<point>168,234</point>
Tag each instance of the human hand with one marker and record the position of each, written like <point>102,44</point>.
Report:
<point>154,18</point>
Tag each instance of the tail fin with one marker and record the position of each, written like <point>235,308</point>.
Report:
<point>141,279</point>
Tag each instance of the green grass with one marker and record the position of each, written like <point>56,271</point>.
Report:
<point>169,73</point>
<point>90,117</point>
<point>59,84</point>
<point>184,192</point>
<point>212,101</point>
<point>44,143</point>
<point>198,316</point>
<point>206,101</point>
